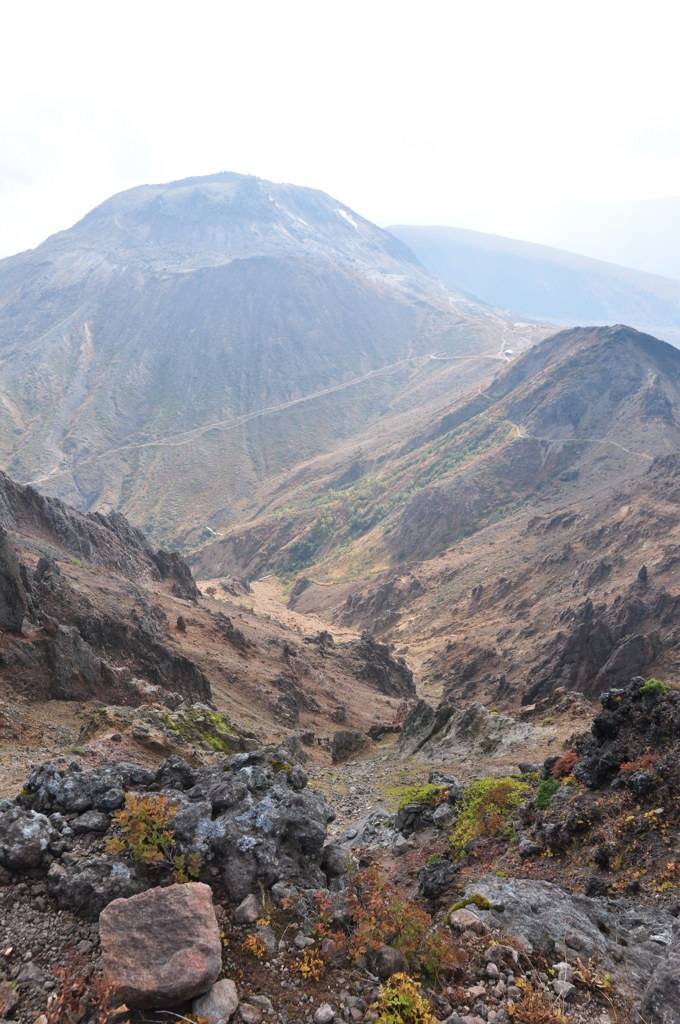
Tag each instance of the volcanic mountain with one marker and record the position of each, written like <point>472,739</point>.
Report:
<point>184,341</point>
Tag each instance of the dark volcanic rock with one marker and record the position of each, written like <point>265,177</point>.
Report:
<point>435,879</point>
<point>12,593</point>
<point>172,566</point>
<point>345,743</point>
<point>257,826</point>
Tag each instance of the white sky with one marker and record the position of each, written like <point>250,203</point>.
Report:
<point>480,114</point>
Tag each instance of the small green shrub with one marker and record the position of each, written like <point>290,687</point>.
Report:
<point>400,1002</point>
<point>546,790</point>
<point>145,836</point>
<point>655,686</point>
<point>485,810</point>
<point>435,858</point>
<point>428,794</point>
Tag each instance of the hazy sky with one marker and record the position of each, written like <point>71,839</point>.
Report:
<point>480,114</point>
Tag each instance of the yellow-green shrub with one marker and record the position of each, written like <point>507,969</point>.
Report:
<point>485,809</point>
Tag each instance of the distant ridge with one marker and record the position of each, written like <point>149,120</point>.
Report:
<point>546,284</point>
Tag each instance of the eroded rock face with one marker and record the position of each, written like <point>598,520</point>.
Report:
<point>12,593</point>
<point>161,947</point>
<point>438,734</point>
<point>257,825</point>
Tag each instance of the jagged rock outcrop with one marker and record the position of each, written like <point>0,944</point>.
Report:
<point>604,647</point>
<point>255,824</point>
<point>638,724</point>
<point>172,566</point>
<point>378,668</point>
<point>13,602</point>
<point>438,734</point>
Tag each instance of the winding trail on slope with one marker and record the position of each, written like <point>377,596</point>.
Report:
<point>186,437</point>
<point>585,440</point>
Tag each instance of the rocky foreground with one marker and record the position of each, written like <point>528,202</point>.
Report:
<point>231,889</point>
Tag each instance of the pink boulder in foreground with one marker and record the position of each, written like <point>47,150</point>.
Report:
<point>161,946</point>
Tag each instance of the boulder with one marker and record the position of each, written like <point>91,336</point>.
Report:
<point>387,961</point>
<point>218,1004</point>
<point>345,743</point>
<point>85,885</point>
<point>464,920</point>
<point>90,821</point>
<point>24,838</point>
<point>248,911</point>
<point>435,879</point>
<point>161,947</point>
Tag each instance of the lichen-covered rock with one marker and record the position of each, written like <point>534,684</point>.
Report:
<point>161,947</point>
<point>24,838</point>
<point>86,885</point>
<point>255,824</point>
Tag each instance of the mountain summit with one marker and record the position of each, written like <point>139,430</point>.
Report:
<point>184,340</point>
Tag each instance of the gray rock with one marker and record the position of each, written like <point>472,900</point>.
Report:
<point>86,886</point>
<point>24,838</point>
<point>422,722</point>
<point>444,816</point>
<point>248,911</point>
<point>268,937</point>
<point>90,821</point>
<point>660,1003</point>
<point>297,777</point>
<point>563,989</point>
<point>254,826</point>
<point>540,914</point>
<point>324,1014</point>
<point>387,961</point>
<point>250,1014</point>
<point>218,1004</point>
<point>31,975</point>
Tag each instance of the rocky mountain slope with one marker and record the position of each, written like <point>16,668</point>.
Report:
<point>548,284</point>
<point>584,409</point>
<point>184,341</point>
